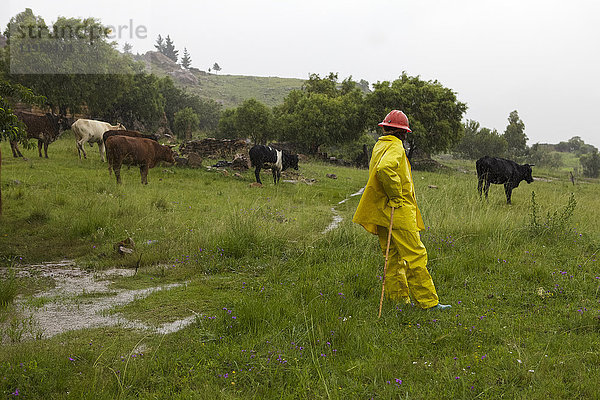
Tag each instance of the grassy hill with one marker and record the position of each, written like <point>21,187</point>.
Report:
<point>232,90</point>
<point>229,90</point>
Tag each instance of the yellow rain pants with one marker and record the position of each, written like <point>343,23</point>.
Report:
<point>407,268</point>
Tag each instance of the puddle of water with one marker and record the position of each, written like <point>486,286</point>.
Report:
<point>66,311</point>
<point>335,223</point>
<point>337,218</point>
<point>175,326</point>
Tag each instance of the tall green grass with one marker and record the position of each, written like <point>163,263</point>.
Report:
<point>8,288</point>
<point>284,311</point>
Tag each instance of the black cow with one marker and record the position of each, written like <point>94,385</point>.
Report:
<point>268,157</point>
<point>501,171</point>
<point>45,128</point>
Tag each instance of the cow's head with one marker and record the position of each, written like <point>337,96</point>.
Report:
<point>528,178</point>
<point>170,156</point>
<point>59,124</point>
<point>121,127</point>
<point>293,161</point>
<point>64,122</point>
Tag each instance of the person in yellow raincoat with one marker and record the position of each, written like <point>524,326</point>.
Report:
<point>390,185</point>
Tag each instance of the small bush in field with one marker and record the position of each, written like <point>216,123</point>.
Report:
<point>556,222</point>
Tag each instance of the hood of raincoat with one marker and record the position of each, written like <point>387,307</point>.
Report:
<point>390,185</point>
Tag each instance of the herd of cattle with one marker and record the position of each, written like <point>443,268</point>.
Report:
<point>124,146</point>
<point>121,146</point>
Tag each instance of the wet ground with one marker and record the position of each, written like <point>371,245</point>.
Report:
<point>63,308</point>
<point>81,299</point>
<point>337,218</point>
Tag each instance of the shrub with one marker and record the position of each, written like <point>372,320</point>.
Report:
<point>8,289</point>
<point>554,223</point>
<point>186,122</point>
<point>591,164</point>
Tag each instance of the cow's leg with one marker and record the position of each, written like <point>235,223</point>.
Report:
<point>274,171</point>
<point>278,175</point>
<point>486,188</point>
<point>257,174</point>
<point>480,186</point>
<point>508,191</point>
<point>46,148</point>
<point>14,146</point>
<point>102,150</point>
<point>144,173</point>
<point>80,147</point>
<point>117,168</point>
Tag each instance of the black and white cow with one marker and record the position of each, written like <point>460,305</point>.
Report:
<point>501,171</point>
<point>269,157</point>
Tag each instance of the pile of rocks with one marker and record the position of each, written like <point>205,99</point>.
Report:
<point>216,148</point>
<point>240,162</point>
<point>191,153</point>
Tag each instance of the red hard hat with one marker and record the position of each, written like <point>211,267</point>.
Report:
<point>396,119</point>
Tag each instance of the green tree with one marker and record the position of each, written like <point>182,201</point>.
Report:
<point>215,67</point>
<point>515,135</point>
<point>364,86</point>
<point>186,60</point>
<point>253,120</point>
<point>140,104</point>
<point>323,112</point>
<point>176,99</point>
<point>227,125</point>
<point>543,156</point>
<point>169,49</point>
<point>433,111</point>
<point>591,164</point>
<point>160,44</point>
<point>477,142</point>
<point>327,86</point>
<point>166,47</point>
<point>186,122</point>
<point>79,75</point>
<point>208,111</point>
<point>127,48</point>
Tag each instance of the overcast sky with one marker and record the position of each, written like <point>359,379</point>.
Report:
<point>539,57</point>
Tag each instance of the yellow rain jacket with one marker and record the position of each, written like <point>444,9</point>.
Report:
<point>390,184</point>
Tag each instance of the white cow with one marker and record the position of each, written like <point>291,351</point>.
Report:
<point>91,131</point>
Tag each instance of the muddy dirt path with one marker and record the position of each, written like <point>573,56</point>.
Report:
<point>65,309</point>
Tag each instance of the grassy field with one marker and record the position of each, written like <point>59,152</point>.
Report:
<point>283,310</point>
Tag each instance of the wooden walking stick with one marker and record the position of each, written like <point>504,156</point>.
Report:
<point>387,252</point>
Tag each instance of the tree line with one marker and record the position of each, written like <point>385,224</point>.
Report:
<point>328,112</point>
<point>479,141</point>
<point>95,80</point>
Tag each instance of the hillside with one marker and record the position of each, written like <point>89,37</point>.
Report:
<point>229,90</point>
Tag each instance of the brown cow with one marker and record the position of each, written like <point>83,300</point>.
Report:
<point>45,128</point>
<point>136,151</point>
<point>113,132</point>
